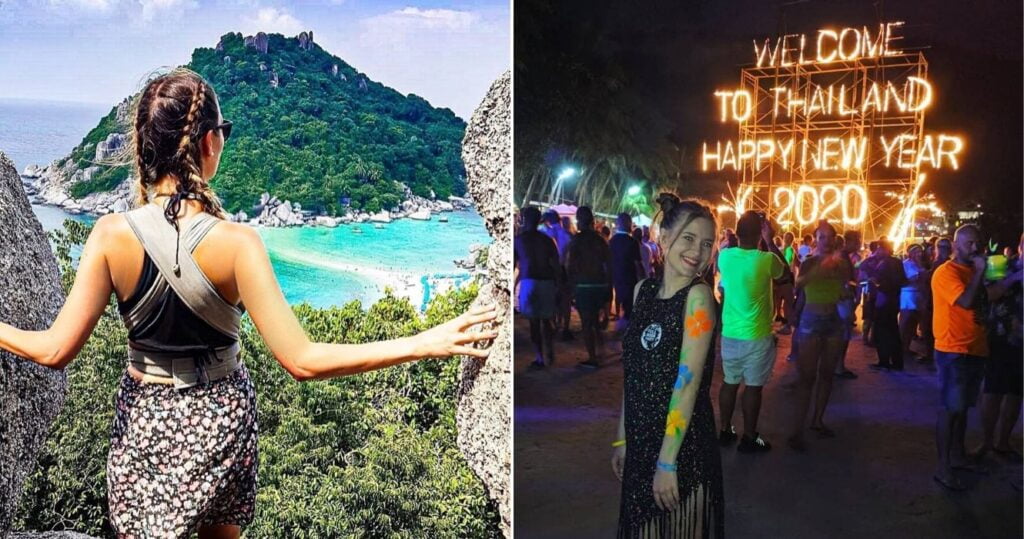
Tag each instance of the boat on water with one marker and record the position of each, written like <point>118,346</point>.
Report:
<point>443,219</point>
<point>357,230</point>
<point>378,226</point>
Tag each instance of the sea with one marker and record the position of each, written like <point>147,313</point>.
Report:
<point>321,266</point>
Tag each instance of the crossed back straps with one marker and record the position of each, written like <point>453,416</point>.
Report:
<point>159,239</point>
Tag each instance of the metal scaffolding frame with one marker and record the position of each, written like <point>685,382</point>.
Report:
<point>889,190</point>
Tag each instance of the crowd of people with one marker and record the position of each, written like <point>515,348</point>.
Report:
<point>948,302</point>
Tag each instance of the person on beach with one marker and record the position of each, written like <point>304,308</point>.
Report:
<point>538,271</point>
<point>627,265</point>
<point>590,276</point>
<point>805,249</point>
<point>847,306</point>
<point>911,298</point>
<point>886,274</point>
<point>665,452</point>
<point>1004,370</point>
<point>943,250</point>
<point>961,346</point>
<point>865,269</point>
<point>748,345</point>
<point>646,254</point>
<point>563,302</point>
<point>183,452</point>
<point>824,277</point>
<point>783,288</point>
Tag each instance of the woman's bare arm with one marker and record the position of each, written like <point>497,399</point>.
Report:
<point>306,360</point>
<point>698,330</point>
<point>57,346</point>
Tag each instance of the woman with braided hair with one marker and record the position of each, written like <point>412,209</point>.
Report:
<point>666,453</point>
<point>183,444</point>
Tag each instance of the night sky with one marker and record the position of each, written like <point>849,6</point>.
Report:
<point>674,55</point>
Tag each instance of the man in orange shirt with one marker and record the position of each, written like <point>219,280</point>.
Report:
<point>961,346</point>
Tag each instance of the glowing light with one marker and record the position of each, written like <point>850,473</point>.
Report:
<point>902,225</point>
<point>807,204</point>
<point>739,102</point>
<point>633,190</point>
<point>566,173</point>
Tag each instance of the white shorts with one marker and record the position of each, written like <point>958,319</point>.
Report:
<point>750,362</point>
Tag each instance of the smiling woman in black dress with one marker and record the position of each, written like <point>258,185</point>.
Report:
<point>666,453</point>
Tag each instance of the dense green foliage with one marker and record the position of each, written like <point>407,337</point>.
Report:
<point>372,455</point>
<point>317,139</point>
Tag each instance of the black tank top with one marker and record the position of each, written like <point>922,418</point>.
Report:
<point>170,325</point>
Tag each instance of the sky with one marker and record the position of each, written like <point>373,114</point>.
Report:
<point>99,51</point>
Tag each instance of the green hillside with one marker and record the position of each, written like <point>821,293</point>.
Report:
<point>320,137</point>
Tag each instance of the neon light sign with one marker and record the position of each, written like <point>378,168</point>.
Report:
<point>824,120</point>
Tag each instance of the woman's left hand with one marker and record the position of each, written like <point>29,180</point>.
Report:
<point>666,489</point>
<point>452,337</point>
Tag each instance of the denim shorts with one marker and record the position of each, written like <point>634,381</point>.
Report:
<point>959,379</point>
<point>819,325</point>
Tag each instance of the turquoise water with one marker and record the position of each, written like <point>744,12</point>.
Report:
<point>332,266</point>
<point>322,266</point>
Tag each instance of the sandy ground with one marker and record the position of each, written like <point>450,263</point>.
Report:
<point>873,480</point>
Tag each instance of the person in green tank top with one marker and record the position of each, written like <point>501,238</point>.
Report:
<point>823,278</point>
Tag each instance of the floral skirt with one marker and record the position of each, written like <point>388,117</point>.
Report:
<point>181,459</point>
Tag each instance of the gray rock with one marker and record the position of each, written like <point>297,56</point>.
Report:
<point>30,297</point>
<point>110,146</point>
<point>261,42</point>
<point>227,60</point>
<point>274,81</point>
<point>334,70</point>
<point>305,40</point>
<point>362,83</point>
<point>485,394</point>
<point>283,212</point>
<point>122,116</point>
<point>263,66</point>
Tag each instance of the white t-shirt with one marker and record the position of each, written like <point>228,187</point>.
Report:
<point>910,296</point>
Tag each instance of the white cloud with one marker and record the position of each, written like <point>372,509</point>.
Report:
<point>271,19</point>
<point>395,30</point>
<point>152,8</point>
<point>89,5</point>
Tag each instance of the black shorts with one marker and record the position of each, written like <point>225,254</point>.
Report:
<point>1004,370</point>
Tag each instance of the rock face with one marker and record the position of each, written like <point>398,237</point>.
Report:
<point>305,40</point>
<point>30,297</point>
<point>485,393</point>
<point>258,42</point>
<point>107,148</point>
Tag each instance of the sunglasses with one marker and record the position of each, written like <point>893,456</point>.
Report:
<point>225,129</point>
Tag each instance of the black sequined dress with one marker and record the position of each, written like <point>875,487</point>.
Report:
<point>650,360</point>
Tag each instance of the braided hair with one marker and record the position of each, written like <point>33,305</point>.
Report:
<point>172,113</point>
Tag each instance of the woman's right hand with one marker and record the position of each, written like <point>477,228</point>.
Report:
<point>452,338</point>
<point>618,460</point>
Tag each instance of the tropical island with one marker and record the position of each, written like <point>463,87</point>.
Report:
<point>315,142</point>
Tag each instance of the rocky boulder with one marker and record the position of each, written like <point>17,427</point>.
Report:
<point>305,40</point>
<point>485,393</point>
<point>110,146</point>
<point>30,297</point>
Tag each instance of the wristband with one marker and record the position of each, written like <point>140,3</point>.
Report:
<point>618,443</point>
<point>684,377</point>
<point>668,467</point>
